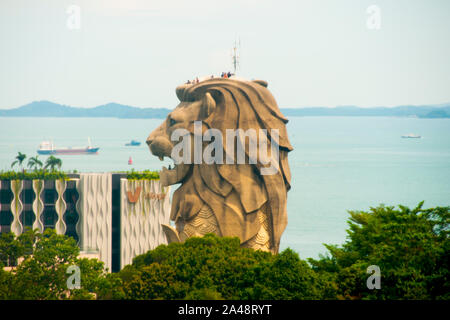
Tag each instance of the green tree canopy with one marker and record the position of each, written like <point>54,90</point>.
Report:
<point>410,246</point>
<point>212,267</point>
<point>53,162</point>
<point>42,273</point>
<point>19,160</point>
<point>35,163</point>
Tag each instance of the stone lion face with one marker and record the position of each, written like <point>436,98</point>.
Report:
<point>226,199</point>
<point>182,117</point>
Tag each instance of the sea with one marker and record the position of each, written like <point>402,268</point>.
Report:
<point>338,164</point>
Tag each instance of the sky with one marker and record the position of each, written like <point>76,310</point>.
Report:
<point>312,53</point>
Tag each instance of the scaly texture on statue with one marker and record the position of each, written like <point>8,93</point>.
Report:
<point>237,197</point>
<point>202,223</point>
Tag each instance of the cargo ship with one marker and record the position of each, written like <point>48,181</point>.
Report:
<point>47,148</point>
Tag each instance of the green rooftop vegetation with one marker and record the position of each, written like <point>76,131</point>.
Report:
<point>142,175</point>
<point>37,174</point>
<point>51,170</point>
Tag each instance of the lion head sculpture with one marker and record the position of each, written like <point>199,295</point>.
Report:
<point>226,199</point>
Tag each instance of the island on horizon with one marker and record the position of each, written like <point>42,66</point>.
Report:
<point>115,110</point>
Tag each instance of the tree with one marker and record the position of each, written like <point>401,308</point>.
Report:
<point>214,267</point>
<point>19,160</point>
<point>96,282</point>
<point>411,248</point>
<point>12,247</point>
<point>35,163</point>
<point>53,162</point>
<point>286,277</point>
<point>155,281</point>
<point>5,283</point>
<point>42,273</point>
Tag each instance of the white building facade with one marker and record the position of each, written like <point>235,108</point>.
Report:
<point>111,217</point>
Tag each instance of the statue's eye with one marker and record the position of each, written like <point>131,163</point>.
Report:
<point>172,122</point>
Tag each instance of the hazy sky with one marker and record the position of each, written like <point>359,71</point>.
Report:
<point>312,53</point>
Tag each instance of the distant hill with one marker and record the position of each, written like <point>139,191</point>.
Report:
<point>431,111</point>
<point>437,113</point>
<point>110,110</point>
<point>115,110</point>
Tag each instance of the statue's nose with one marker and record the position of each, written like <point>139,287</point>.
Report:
<point>155,133</point>
<point>152,136</point>
<point>160,146</point>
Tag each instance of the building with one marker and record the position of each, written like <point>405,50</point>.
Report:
<point>110,217</point>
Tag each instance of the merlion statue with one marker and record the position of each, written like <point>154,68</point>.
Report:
<point>224,188</point>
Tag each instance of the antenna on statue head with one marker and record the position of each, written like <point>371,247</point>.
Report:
<point>235,55</point>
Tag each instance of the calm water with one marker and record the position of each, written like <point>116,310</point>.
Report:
<point>338,164</point>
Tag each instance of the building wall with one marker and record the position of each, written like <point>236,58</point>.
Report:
<point>145,205</point>
<point>93,208</point>
<point>36,204</point>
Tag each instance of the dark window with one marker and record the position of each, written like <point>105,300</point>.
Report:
<point>50,196</point>
<point>27,218</point>
<point>28,196</point>
<point>6,217</point>
<point>6,196</point>
<point>71,219</point>
<point>49,217</point>
<point>71,216</point>
<point>115,241</point>
<point>5,228</point>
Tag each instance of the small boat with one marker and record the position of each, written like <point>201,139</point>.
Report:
<point>411,136</point>
<point>130,161</point>
<point>133,143</point>
<point>47,148</point>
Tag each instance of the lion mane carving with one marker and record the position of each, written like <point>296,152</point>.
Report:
<point>226,199</point>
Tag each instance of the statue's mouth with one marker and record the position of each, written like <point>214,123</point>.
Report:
<point>161,147</point>
<point>172,168</point>
<point>174,174</point>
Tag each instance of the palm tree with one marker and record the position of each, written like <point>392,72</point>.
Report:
<point>53,162</point>
<point>19,160</point>
<point>34,162</point>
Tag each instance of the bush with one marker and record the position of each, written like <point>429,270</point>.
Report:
<point>212,267</point>
<point>42,273</point>
<point>411,248</point>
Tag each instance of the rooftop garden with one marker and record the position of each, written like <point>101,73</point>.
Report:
<point>51,170</point>
<point>143,175</point>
